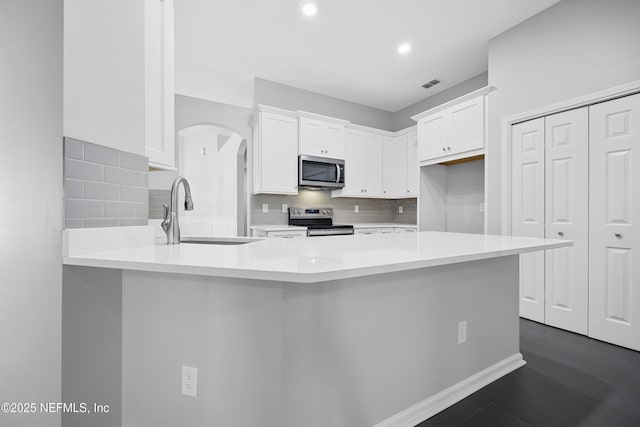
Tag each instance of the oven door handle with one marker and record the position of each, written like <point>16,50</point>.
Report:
<point>338,168</point>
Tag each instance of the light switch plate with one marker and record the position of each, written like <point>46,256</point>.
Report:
<point>400,209</point>
<point>284,208</point>
<point>356,208</point>
<point>265,208</point>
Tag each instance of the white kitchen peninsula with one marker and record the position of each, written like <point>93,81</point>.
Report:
<point>341,331</point>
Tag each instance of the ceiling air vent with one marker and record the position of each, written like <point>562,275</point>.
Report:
<point>431,83</point>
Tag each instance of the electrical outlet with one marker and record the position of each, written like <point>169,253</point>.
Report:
<point>462,332</point>
<point>284,208</point>
<point>189,381</point>
<point>265,208</point>
<point>400,209</point>
<point>356,209</point>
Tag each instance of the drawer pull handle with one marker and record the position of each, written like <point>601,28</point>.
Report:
<point>560,233</point>
<point>618,235</point>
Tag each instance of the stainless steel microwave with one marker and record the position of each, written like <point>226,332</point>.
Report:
<point>320,173</point>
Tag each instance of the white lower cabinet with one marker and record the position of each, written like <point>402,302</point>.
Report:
<point>283,234</point>
<point>374,230</point>
<point>574,176</point>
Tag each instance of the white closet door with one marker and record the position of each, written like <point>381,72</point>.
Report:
<point>528,211</point>
<point>614,199</point>
<point>566,217</point>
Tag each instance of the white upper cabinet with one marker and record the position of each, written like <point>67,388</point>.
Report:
<point>400,166</point>
<point>118,75</point>
<point>389,167</point>
<point>433,134</point>
<point>321,136</point>
<point>275,151</point>
<point>399,158</point>
<point>413,170</point>
<point>363,165</point>
<point>159,72</point>
<point>454,130</point>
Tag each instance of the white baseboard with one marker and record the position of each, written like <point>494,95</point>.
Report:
<point>421,411</point>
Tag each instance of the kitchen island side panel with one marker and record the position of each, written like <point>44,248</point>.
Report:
<point>358,351</point>
<point>350,352</point>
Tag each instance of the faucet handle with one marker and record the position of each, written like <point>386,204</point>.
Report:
<point>166,222</point>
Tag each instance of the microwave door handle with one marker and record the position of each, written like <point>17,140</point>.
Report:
<point>338,168</point>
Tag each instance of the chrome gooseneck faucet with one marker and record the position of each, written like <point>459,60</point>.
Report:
<point>170,223</point>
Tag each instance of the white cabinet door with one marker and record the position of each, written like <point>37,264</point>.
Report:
<point>353,183</point>
<point>390,171</point>
<point>413,170</point>
<point>433,136</point>
<point>566,217</point>
<point>334,139</point>
<point>312,137</point>
<point>528,211</point>
<point>400,166</point>
<point>371,164</point>
<point>322,139</point>
<point>467,126</point>
<point>275,159</point>
<point>614,231</point>
<point>159,84</point>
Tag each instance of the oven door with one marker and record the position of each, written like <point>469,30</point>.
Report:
<point>320,172</point>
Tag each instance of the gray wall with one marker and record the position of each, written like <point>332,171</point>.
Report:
<point>92,344</point>
<point>31,200</point>
<point>402,118</point>
<point>573,48</point>
<point>191,111</point>
<point>290,98</point>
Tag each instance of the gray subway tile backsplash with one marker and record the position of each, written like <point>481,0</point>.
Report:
<point>134,162</point>
<point>104,187</point>
<point>101,222</point>
<point>103,155</point>
<point>119,209</point>
<point>370,210</point>
<point>74,188</point>
<point>79,169</point>
<point>77,208</point>
<point>73,149</point>
<point>101,191</point>
<point>119,176</point>
<point>134,194</point>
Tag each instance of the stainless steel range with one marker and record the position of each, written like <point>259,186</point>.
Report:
<point>319,222</point>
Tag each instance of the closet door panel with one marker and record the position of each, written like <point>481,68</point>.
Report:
<point>528,211</point>
<point>566,217</point>
<point>614,198</point>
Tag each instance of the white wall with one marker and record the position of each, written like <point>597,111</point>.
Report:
<point>104,73</point>
<point>573,48</point>
<point>31,199</point>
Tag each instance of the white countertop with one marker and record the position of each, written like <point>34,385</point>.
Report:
<point>306,259</point>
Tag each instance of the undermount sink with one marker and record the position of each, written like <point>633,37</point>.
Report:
<point>220,240</point>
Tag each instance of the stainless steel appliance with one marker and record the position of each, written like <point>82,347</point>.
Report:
<point>320,173</point>
<point>319,222</point>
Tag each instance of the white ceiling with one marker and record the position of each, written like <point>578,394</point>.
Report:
<point>348,50</point>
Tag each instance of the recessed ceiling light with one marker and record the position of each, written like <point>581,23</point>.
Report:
<point>309,8</point>
<point>404,48</point>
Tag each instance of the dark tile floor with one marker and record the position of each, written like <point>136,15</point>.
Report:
<point>569,380</point>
